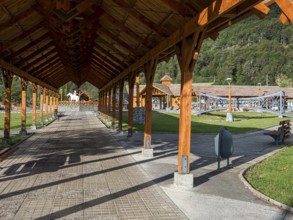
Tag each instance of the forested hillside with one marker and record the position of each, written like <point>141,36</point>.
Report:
<point>250,52</point>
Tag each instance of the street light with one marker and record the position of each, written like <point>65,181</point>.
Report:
<point>229,116</point>
<point>259,93</point>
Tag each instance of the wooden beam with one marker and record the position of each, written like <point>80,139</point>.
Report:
<point>99,73</point>
<point>100,70</point>
<point>30,45</point>
<point>149,71</point>
<point>105,65</point>
<point>177,7</point>
<point>261,10</point>
<point>32,55</point>
<point>24,84</point>
<point>22,36</point>
<point>81,7</point>
<point>17,18</point>
<point>44,67</point>
<point>24,74</point>
<point>127,30</point>
<point>47,57</point>
<point>142,18</point>
<point>107,61</point>
<point>187,54</point>
<point>7,80</point>
<point>120,108</point>
<point>116,52</point>
<point>130,103</point>
<point>287,7</point>
<point>120,42</point>
<point>100,49</point>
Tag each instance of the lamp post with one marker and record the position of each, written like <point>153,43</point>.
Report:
<point>259,94</point>
<point>229,116</point>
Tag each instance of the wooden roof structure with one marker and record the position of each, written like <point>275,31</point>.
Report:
<point>52,42</point>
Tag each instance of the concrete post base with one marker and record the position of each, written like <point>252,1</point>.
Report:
<point>23,132</point>
<point>41,123</point>
<point>229,116</point>
<point>33,127</point>
<point>183,181</point>
<point>6,141</point>
<point>147,152</point>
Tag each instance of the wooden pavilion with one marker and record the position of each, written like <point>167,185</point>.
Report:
<point>169,94</point>
<point>107,43</point>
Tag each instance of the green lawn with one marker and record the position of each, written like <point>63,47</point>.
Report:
<point>14,139</point>
<point>273,177</point>
<point>15,122</point>
<point>210,123</point>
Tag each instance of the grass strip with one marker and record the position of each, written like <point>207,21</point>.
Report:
<point>273,176</point>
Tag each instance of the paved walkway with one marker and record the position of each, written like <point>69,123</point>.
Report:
<point>74,169</point>
<point>77,169</point>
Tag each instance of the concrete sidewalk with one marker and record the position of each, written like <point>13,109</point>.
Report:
<point>217,194</point>
<point>76,168</point>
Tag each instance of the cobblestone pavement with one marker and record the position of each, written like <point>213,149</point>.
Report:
<point>74,169</point>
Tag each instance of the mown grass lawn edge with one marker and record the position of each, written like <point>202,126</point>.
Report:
<point>257,192</point>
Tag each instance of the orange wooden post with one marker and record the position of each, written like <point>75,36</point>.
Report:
<point>51,104</point>
<point>56,101</point>
<point>109,103</point>
<point>23,106</point>
<point>34,90</point>
<point>7,78</point>
<point>47,103</point>
<point>137,82</point>
<point>121,85</point>
<point>149,71</point>
<point>130,104</point>
<point>42,91</point>
<point>187,54</point>
<point>114,106</point>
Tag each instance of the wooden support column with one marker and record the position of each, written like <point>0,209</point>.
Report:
<point>187,54</point>
<point>121,86</point>
<point>149,71</point>
<point>42,91</point>
<point>57,101</point>
<point>47,105</point>
<point>114,106</point>
<point>109,103</point>
<point>34,110</point>
<point>51,104</point>
<point>137,82</point>
<point>130,104</point>
<point>7,78</point>
<point>24,83</point>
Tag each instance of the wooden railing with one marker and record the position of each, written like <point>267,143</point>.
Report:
<point>82,103</point>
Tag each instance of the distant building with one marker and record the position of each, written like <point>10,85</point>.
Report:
<point>167,95</point>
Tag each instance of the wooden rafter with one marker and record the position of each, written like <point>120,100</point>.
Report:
<point>142,18</point>
<point>127,30</point>
<point>30,45</point>
<point>100,49</point>
<point>45,56</point>
<point>32,55</point>
<point>24,74</point>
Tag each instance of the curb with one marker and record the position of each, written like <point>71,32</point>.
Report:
<point>13,148</point>
<point>259,194</point>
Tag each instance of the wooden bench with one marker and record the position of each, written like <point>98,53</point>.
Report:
<point>287,127</point>
<point>282,132</point>
<point>277,135</point>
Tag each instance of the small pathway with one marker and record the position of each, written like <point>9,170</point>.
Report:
<point>75,169</point>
